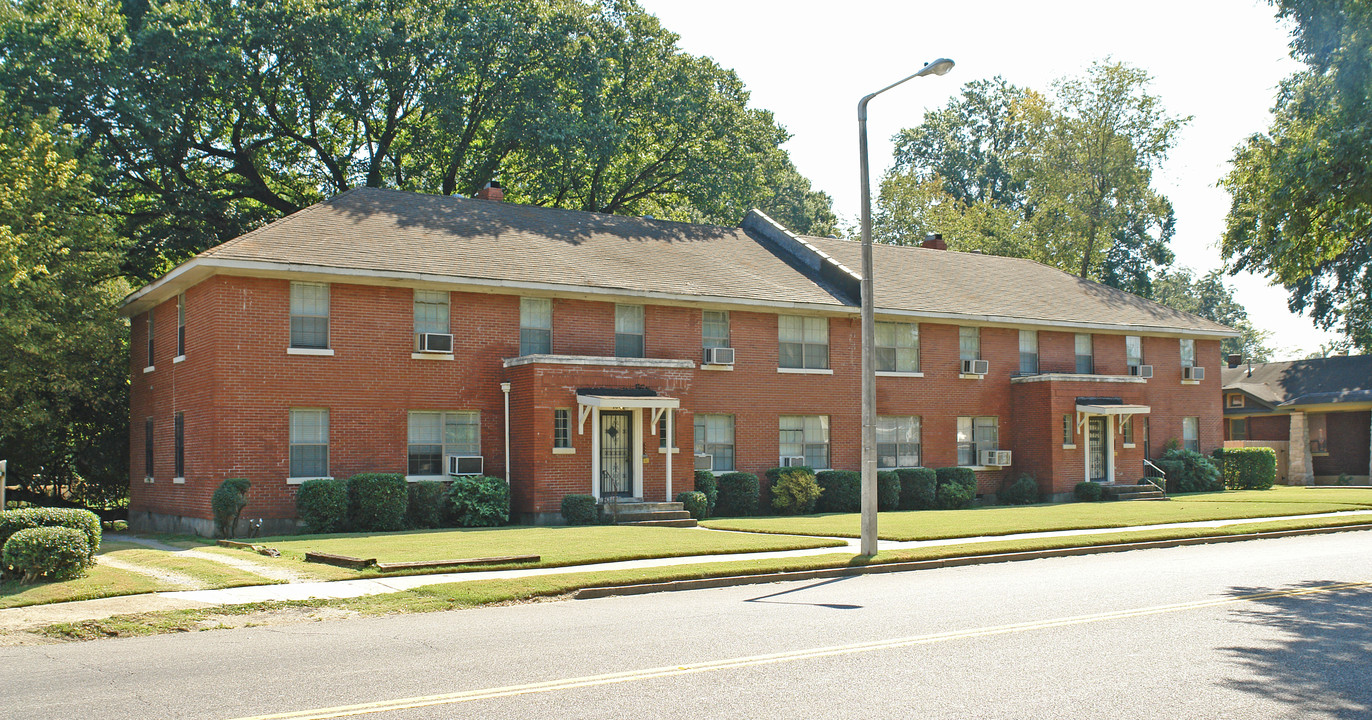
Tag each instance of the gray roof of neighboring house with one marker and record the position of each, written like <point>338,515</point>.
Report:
<point>403,234</point>
<point>1304,382</point>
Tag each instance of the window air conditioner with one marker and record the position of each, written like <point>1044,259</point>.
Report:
<point>1193,373</point>
<point>464,464</point>
<point>793,461</point>
<point>705,461</point>
<point>719,356</point>
<point>435,342</point>
<point>995,458</point>
<point>976,367</point>
<point>1143,371</point>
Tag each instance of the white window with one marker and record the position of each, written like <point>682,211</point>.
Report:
<point>629,331</point>
<point>898,441</point>
<point>803,342</point>
<point>309,315</point>
<point>1127,430</point>
<point>897,347</point>
<point>714,436</point>
<point>1133,350</point>
<point>1235,400</point>
<point>1068,431</point>
<point>431,312</point>
<point>969,343</point>
<point>662,439</point>
<point>1188,352</point>
<point>562,428</point>
<point>435,435</point>
<point>180,327</point>
<point>1029,352</point>
<point>976,434</point>
<point>535,326</point>
<point>1086,361</point>
<point>1190,433</point>
<point>714,329</point>
<point>808,436</point>
<point>309,443</point>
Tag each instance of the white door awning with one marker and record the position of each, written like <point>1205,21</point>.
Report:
<point>622,402</point>
<point>1113,409</point>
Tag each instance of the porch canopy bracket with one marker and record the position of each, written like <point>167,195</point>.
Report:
<point>1119,410</point>
<point>624,399</point>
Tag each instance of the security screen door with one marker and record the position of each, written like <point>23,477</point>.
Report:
<point>1097,453</point>
<point>616,454</point>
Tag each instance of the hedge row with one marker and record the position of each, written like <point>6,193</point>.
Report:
<point>1251,468</point>
<point>48,543</point>
<point>383,502</point>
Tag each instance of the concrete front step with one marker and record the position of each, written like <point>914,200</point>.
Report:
<point>1132,492</point>
<point>638,506</point>
<point>624,517</point>
<point>687,522</point>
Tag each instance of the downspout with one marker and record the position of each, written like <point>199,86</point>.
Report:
<point>505,388</point>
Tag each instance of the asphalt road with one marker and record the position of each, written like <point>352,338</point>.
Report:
<point>1264,629</point>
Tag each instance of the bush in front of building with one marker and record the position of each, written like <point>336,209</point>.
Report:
<point>773,476</point>
<point>47,553</point>
<point>377,502</point>
<point>580,510</point>
<point>842,491</point>
<point>228,502</point>
<point>694,502</point>
<point>322,504</point>
<point>1024,491</point>
<point>1189,471</point>
<point>738,494</point>
<point>957,488</point>
<point>1250,468</point>
<point>917,488</point>
<point>1087,491</point>
<point>705,483</point>
<point>795,491</point>
<point>83,521</point>
<point>888,490</point>
<point>478,501</point>
<point>425,508</point>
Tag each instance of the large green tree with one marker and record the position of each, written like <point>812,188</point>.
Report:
<point>1208,297</point>
<point>1302,191</point>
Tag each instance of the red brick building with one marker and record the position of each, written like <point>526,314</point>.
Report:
<point>388,331</point>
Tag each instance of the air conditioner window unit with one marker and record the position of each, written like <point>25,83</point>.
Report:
<point>976,367</point>
<point>705,461</point>
<point>995,458</point>
<point>1143,371</point>
<point>435,342</point>
<point>719,356</point>
<point>464,464</point>
<point>1193,373</point>
<point>793,461</point>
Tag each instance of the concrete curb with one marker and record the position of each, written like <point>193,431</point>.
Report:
<point>734,580</point>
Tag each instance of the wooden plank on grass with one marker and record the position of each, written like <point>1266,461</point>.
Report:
<point>237,545</point>
<point>339,560</point>
<point>455,563</point>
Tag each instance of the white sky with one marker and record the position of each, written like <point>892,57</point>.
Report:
<point>810,62</point>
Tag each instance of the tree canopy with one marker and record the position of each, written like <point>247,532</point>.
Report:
<point>1301,210</point>
<point>1208,297</point>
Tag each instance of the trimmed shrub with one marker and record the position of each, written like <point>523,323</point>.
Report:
<point>479,501</point>
<point>795,492</point>
<point>738,494</point>
<point>888,490</point>
<point>957,488</point>
<point>917,488</point>
<point>773,476</point>
<point>83,521</point>
<point>377,502</point>
<point>228,502</point>
<point>1024,491</point>
<point>1189,471</point>
<point>842,491</point>
<point>705,483</point>
<point>1087,491</point>
<point>47,553</point>
<point>580,510</point>
<point>1250,468</point>
<point>425,509</point>
<point>322,504</point>
<point>694,502</point>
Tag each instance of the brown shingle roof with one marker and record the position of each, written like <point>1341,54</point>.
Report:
<point>1305,382</point>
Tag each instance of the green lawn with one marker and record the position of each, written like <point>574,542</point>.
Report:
<point>934,524</point>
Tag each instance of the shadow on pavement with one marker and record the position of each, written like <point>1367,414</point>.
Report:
<point>1320,661</point>
<point>766,599</point>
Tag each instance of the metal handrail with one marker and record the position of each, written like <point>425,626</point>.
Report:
<point>1161,488</point>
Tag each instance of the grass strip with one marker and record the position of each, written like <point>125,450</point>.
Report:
<point>475,593</point>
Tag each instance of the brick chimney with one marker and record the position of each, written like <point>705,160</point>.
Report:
<point>1235,360</point>
<point>934,241</point>
<point>492,191</point>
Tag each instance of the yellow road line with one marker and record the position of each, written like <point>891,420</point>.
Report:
<point>773,658</point>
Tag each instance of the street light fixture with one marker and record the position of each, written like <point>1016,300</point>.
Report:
<point>869,378</point>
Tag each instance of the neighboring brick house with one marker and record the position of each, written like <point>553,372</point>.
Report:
<point>1317,415</point>
<point>318,345</point>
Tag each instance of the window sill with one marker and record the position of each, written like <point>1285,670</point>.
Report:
<point>663,451</point>
<point>431,356</point>
<point>301,480</point>
<point>718,368</point>
<point>1315,454</point>
<point>309,351</point>
<point>805,371</point>
<point>1069,447</point>
<point>892,373</point>
<point>564,451</point>
<point>149,368</point>
<point>970,376</point>
<point>982,468</point>
<point>1129,446</point>
<point>1190,382</point>
<point>178,359</point>
<point>179,481</point>
<point>424,478</point>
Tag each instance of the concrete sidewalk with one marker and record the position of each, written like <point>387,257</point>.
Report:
<point>15,618</point>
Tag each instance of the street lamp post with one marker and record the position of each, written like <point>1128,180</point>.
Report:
<point>869,378</point>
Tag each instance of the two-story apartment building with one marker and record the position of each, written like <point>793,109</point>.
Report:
<point>574,352</point>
